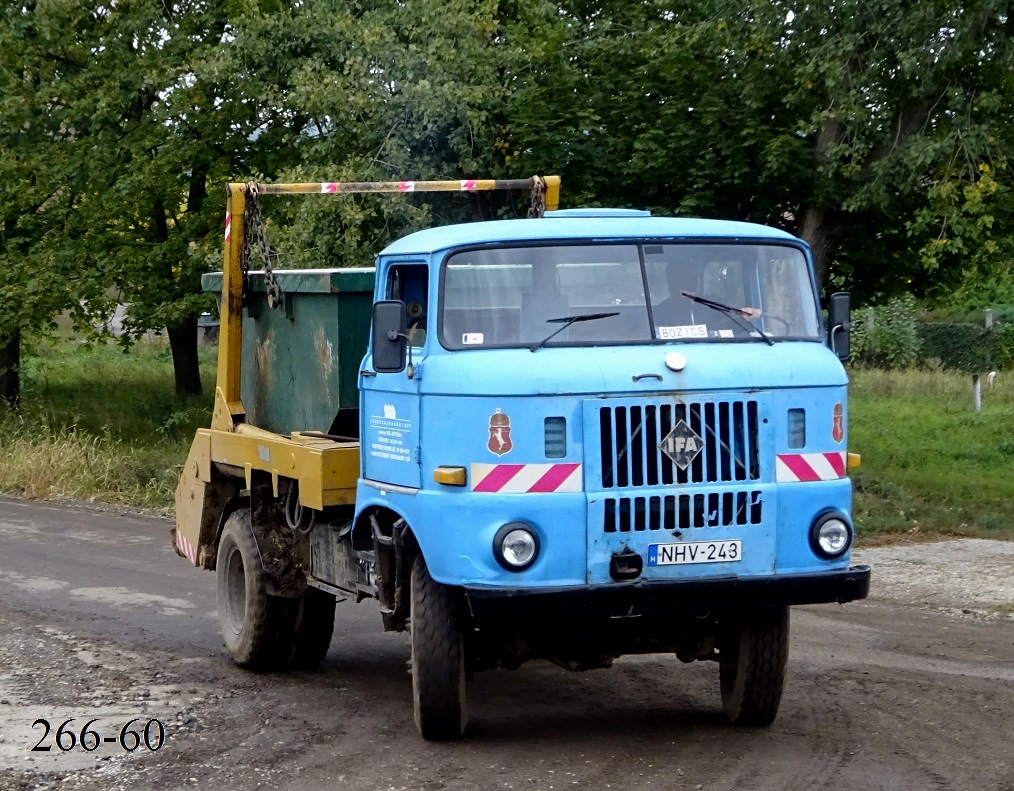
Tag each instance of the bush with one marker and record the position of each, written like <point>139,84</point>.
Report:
<point>898,337</point>
<point>890,339</point>
<point>968,346</point>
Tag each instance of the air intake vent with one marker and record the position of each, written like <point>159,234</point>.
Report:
<point>682,512</point>
<point>797,428</point>
<point>556,437</point>
<point>630,438</point>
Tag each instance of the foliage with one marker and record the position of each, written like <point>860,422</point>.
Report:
<point>46,246</point>
<point>876,129</point>
<point>886,336</point>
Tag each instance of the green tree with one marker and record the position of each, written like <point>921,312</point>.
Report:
<point>872,129</point>
<point>44,262</point>
<point>384,91</point>
<point>159,102</point>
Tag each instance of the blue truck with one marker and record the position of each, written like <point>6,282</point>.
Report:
<point>576,436</point>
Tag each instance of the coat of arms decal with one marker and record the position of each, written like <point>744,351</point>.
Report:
<point>499,434</point>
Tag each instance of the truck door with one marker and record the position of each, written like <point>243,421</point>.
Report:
<point>390,401</point>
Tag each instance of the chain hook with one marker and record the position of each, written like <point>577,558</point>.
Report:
<point>538,206</point>
<point>256,233</point>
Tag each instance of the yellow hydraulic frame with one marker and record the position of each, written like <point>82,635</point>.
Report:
<point>326,470</point>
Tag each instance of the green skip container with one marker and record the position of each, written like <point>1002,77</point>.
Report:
<point>301,360</point>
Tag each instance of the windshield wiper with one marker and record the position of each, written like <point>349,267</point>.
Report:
<point>737,314</point>
<point>566,321</point>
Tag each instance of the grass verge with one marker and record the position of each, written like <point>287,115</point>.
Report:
<point>100,424</point>
<point>931,466</point>
<point>103,425</point>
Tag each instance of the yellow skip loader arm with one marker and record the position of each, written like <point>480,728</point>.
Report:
<point>224,458</point>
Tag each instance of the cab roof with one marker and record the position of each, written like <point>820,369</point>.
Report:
<point>597,227</point>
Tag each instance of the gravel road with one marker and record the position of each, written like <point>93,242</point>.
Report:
<point>970,576</point>
<point>912,689</point>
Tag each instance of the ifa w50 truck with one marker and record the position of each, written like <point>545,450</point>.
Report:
<point>580,435</point>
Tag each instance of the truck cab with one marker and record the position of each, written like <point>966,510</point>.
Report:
<point>610,432</point>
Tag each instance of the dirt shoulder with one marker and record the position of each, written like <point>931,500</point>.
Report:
<point>965,576</point>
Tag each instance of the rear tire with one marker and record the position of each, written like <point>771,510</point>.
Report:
<point>753,661</point>
<point>438,658</point>
<point>256,627</point>
<point>314,626</point>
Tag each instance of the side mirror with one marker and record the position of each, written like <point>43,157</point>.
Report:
<point>839,324</point>
<point>390,325</point>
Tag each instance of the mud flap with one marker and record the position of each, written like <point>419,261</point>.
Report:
<point>283,556</point>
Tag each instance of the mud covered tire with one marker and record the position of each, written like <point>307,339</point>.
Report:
<point>438,658</point>
<point>256,627</point>
<point>314,626</point>
<point>753,675</point>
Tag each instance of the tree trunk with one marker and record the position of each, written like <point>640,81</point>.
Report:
<point>817,226</point>
<point>183,343</point>
<point>818,233</point>
<point>183,334</point>
<point>10,370</point>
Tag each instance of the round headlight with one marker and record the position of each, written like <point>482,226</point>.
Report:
<point>831,536</point>
<point>515,546</point>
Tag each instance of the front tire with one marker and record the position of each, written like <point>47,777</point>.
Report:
<point>753,661</point>
<point>438,657</point>
<point>256,627</point>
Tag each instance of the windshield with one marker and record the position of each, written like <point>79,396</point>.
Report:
<point>518,296</point>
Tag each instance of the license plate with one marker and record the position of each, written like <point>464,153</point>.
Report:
<point>729,551</point>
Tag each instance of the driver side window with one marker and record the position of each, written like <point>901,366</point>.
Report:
<point>409,283</point>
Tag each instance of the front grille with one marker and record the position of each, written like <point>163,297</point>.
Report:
<point>630,438</point>
<point>681,511</point>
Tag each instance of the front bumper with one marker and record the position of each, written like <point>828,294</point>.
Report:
<point>643,597</point>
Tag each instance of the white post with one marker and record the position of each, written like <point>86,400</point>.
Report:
<point>989,318</point>
<point>976,393</point>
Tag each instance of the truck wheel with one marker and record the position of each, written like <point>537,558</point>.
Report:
<point>753,673</point>
<point>257,627</point>
<point>438,658</point>
<point>314,626</point>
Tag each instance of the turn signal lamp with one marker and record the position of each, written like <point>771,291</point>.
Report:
<point>450,476</point>
<point>854,460</point>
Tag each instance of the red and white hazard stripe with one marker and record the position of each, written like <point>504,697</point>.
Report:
<point>186,547</point>
<point>526,478</point>
<point>228,227</point>
<point>406,186</point>
<point>329,187</point>
<point>810,466</point>
<point>468,186</point>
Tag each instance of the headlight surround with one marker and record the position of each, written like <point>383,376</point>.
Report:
<point>831,535</point>
<point>516,546</point>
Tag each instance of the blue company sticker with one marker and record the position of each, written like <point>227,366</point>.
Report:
<point>391,440</point>
<point>653,554</point>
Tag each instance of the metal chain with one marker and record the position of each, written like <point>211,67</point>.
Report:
<point>538,207</point>
<point>256,233</point>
